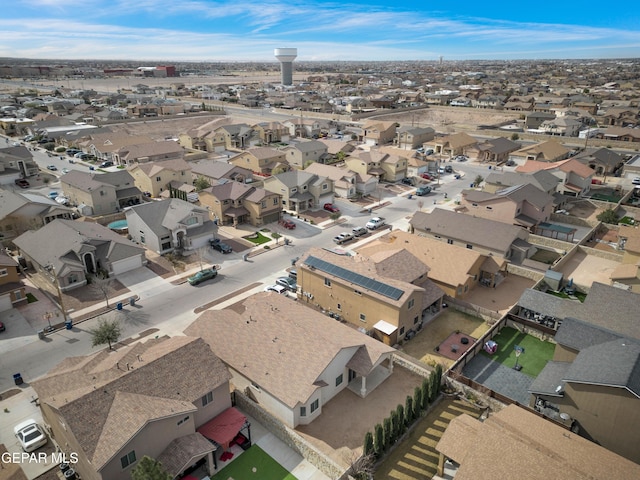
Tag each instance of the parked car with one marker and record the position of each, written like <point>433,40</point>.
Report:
<point>53,168</point>
<point>30,435</point>
<point>106,164</point>
<point>359,231</point>
<point>428,151</point>
<point>441,170</point>
<point>426,176</point>
<point>276,288</point>
<point>220,246</point>
<point>288,224</point>
<point>65,170</point>
<point>636,181</point>
<point>424,190</point>
<point>510,163</point>
<point>596,181</point>
<point>343,237</point>
<point>448,169</point>
<point>407,181</point>
<point>202,276</point>
<point>330,207</point>
<point>293,273</point>
<point>79,154</point>
<point>2,327</point>
<point>22,183</point>
<point>461,158</point>
<point>375,223</point>
<point>287,282</point>
<point>72,151</point>
<point>53,194</point>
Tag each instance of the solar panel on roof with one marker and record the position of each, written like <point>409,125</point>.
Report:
<point>360,280</point>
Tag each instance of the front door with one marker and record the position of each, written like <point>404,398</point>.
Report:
<point>352,375</point>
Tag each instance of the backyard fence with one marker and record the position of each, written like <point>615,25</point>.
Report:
<point>487,315</point>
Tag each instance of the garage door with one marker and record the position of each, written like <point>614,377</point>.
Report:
<point>273,217</point>
<point>5,302</point>
<point>126,264</point>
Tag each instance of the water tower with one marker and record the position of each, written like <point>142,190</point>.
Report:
<point>286,56</point>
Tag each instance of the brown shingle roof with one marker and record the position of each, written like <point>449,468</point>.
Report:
<point>283,346</point>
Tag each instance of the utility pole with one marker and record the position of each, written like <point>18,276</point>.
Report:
<point>51,269</point>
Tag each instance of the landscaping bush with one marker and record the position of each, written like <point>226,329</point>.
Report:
<point>402,425</point>
<point>408,410</point>
<point>425,393</point>
<point>368,448</point>
<point>417,402</point>
<point>379,440</point>
<point>386,430</point>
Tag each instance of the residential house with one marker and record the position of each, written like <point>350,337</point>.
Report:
<point>452,145</point>
<point>542,179</point>
<point>494,150</point>
<point>602,161</point>
<point>461,102</point>
<point>410,138</point>
<point>100,193</point>
<point>622,134</point>
<point>234,203</point>
<point>523,205</point>
<point>516,442</point>
<point>217,172</point>
<point>574,177</point>
<point>238,136</point>
<point>20,212</point>
<point>416,166</point>
<point>621,117</point>
<point>300,359</point>
<point>486,236</point>
<point>12,126</point>
<point>384,166</point>
<point>627,274</point>
<point>151,398</point>
<point>207,137</point>
<point>67,252</point>
<point>172,224</point>
<point>593,379</point>
<point>155,177</point>
<point>344,181</point>
<point>15,163</point>
<point>12,290</point>
<point>300,190</point>
<point>378,132</point>
<point>561,126</point>
<point>338,149</point>
<point>105,145</point>
<point>495,102</point>
<point>300,154</point>
<point>148,152</point>
<point>272,132</point>
<point>550,151</point>
<point>140,110</point>
<point>261,160</point>
<point>533,120</point>
<point>304,127</point>
<point>386,294</point>
<point>454,269</point>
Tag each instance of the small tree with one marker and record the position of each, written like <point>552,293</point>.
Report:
<point>149,469</point>
<point>417,402</point>
<point>379,440</point>
<point>201,183</point>
<point>101,285</point>
<point>432,387</point>
<point>425,393</point>
<point>107,331</point>
<point>386,427</point>
<point>479,179</point>
<point>515,137</point>
<point>608,216</point>
<point>408,409</point>
<point>368,448</point>
<point>335,216</point>
<point>401,419</point>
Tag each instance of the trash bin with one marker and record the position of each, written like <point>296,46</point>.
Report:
<point>68,324</point>
<point>41,334</point>
<point>132,301</point>
<point>119,305</point>
<point>17,378</point>
<point>245,257</point>
<point>286,241</point>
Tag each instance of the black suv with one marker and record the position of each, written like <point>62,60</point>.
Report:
<point>222,247</point>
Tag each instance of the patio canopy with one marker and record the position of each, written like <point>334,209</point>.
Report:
<point>223,428</point>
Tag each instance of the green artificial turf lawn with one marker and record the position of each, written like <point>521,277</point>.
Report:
<point>242,467</point>
<point>536,352</point>
<point>259,238</point>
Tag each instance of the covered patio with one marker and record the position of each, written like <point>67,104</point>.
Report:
<point>187,453</point>
<point>227,429</point>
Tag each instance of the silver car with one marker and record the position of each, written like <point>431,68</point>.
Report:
<point>30,435</point>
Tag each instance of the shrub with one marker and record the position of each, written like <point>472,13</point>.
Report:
<point>408,410</point>
<point>401,420</point>
<point>368,448</point>
<point>379,440</point>
<point>386,428</point>
<point>417,402</point>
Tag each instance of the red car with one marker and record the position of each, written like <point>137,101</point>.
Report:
<point>22,183</point>
<point>330,207</point>
<point>288,224</point>
<point>426,176</point>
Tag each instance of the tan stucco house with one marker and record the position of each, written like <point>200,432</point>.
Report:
<point>234,203</point>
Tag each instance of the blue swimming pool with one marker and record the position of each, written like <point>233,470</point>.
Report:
<point>118,225</point>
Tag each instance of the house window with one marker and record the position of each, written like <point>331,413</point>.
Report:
<point>449,241</point>
<point>315,405</point>
<point>437,236</point>
<point>73,278</point>
<point>275,201</point>
<point>325,186</point>
<point>401,330</point>
<point>294,190</point>
<point>208,398</point>
<point>327,282</point>
<point>303,411</point>
<point>357,292</point>
<point>339,307</point>
<point>363,317</point>
<point>185,419</point>
<point>415,320</point>
<point>3,272</point>
<point>411,303</point>
<point>128,459</point>
<point>141,236</point>
<point>474,204</point>
<point>489,208</point>
<point>263,204</point>
<point>158,179</point>
<point>469,246</point>
<point>191,221</point>
<point>102,194</point>
<point>338,380</point>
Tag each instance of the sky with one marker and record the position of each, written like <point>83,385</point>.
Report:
<point>245,30</point>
